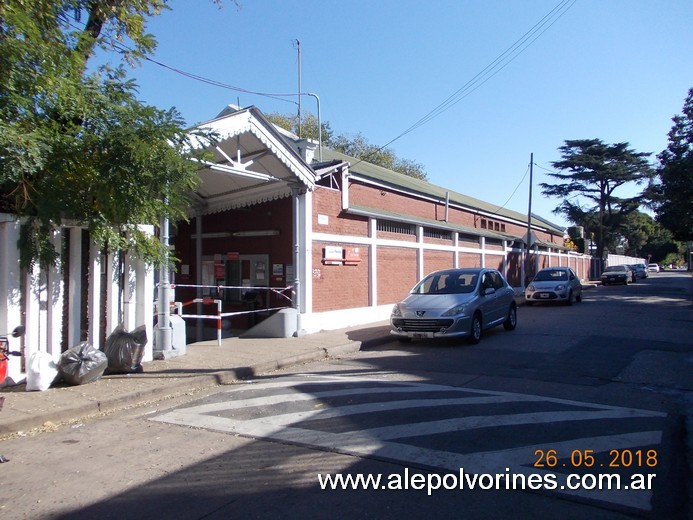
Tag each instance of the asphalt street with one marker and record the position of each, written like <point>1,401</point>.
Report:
<point>601,387</point>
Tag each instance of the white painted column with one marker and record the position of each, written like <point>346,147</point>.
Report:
<point>456,247</point>
<point>373,262</point>
<point>505,258</point>
<point>142,302</point>
<point>419,253</point>
<point>306,251</point>
<point>113,293</point>
<point>35,312</point>
<point>94,304</point>
<point>482,245</point>
<point>10,297</point>
<point>130,293</point>
<point>54,300</point>
<point>10,290</point>
<point>74,288</point>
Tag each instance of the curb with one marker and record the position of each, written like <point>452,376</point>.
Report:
<point>178,387</point>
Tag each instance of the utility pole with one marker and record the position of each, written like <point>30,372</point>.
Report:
<point>529,217</point>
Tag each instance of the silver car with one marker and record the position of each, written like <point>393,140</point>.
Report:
<point>554,284</point>
<point>455,303</point>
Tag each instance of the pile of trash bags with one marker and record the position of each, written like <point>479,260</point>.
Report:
<point>125,350</point>
<point>84,364</point>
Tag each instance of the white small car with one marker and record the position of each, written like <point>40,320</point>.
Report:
<point>554,284</point>
<point>653,268</point>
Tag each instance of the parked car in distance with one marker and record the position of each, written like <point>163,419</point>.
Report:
<point>640,271</point>
<point>653,268</point>
<point>554,284</point>
<point>616,274</point>
<point>455,303</point>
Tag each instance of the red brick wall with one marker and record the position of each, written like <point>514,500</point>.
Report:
<point>513,272</point>
<point>329,202</point>
<point>372,197</point>
<point>494,262</point>
<point>397,273</point>
<point>437,260</point>
<point>339,286</point>
<point>469,260</point>
<point>389,235</point>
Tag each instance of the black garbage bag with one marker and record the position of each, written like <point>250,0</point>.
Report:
<point>82,364</point>
<point>125,350</point>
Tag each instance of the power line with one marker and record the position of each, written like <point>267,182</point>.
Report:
<point>514,191</point>
<point>502,61</point>
<point>493,68</point>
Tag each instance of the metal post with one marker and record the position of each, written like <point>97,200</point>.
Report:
<point>163,338</point>
<point>199,329</point>
<point>317,99</point>
<point>297,256</point>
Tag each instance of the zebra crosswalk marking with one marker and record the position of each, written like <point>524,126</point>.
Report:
<point>380,442</point>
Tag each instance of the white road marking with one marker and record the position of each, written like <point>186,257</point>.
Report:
<point>284,426</point>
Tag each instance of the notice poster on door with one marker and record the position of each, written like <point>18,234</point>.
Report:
<point>277,272</point>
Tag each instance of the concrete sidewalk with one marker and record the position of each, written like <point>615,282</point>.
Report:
<point>204,365</point>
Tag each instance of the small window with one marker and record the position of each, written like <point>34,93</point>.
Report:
<point>483,223</point>
<point>437,233</point>
<point>391,226</point>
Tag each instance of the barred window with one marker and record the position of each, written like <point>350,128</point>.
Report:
<point>437,233</point>
<point>395,227</point>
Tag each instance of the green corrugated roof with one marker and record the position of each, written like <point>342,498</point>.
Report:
<point>399,180</point>
<point>438,224</point>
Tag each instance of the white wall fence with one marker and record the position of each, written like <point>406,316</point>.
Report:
<point>51,303</point>
<point>622,259</point>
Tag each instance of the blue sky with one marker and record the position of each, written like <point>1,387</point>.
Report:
<point>617,70</point>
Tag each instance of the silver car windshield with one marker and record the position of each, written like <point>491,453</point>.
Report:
<point>447,283</point>
<point>550,276</point>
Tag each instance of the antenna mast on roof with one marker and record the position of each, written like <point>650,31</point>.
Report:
<point>298,50</point>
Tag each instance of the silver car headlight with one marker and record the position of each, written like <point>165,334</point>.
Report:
<point>457,309</point>
<point>560,287</point>
<point>531,288</point>
<point>396,312</point>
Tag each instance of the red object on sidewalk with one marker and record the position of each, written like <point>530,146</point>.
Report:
<point>4,347</point>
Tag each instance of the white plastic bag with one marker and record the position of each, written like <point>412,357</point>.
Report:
<point>41,372</point>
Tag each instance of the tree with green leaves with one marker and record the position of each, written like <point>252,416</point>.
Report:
<point>76,146</point>
<point>309,125</point>
<point>354,146</point>
<point>674,195</point>
<point>636,229</point>
<point>661,247</point>
<point>359,147</point>
<point>594,170</point>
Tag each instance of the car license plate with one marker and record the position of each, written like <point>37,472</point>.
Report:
<point>544,295</point>
<point>423,335</point>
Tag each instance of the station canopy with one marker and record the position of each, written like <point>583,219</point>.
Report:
<point>252,163</point>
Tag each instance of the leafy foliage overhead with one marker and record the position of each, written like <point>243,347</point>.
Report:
<point>76,146</point>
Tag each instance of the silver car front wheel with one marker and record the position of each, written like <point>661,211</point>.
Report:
<point>475,331</point>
